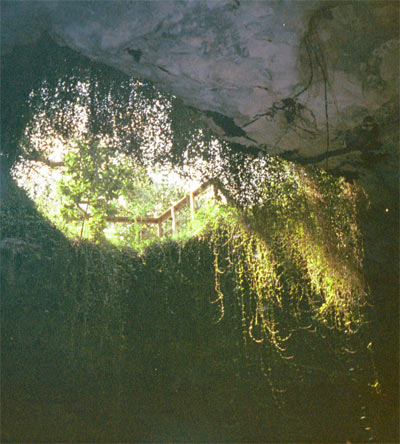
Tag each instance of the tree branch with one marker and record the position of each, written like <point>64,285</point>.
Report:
<point>37,157</point>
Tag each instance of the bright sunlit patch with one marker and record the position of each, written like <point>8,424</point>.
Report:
<point>43,168</point>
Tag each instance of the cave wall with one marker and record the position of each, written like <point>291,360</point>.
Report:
<point>294,78</point>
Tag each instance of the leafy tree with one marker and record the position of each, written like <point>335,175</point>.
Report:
<point>100,184</point>
<point>93,181</point>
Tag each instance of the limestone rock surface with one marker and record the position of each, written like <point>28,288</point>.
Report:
<point>292,78</point>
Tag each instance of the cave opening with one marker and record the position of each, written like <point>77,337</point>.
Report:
<point>255,327</point>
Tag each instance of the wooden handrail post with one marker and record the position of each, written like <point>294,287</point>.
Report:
<point>191,197</point>
<point>215,192</point>
<point>159,228</point>
<point>173,225</point>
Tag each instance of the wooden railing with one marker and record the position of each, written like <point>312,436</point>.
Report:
<point>188,200</point>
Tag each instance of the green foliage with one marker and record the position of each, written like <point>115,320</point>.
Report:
<point>309,219</point>
<point>93,180</point>
<point>207,218</point>
<point>99,185</point>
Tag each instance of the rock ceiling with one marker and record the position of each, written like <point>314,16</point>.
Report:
<point>292,78</point>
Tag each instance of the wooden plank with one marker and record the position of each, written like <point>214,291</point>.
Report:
<point>165,215</point>
<point>181,203</point>
<point>173,223</point>
<point>201,188</point>
<point>191,200</point>
<point>127,219</point>
<point>147,220</point>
